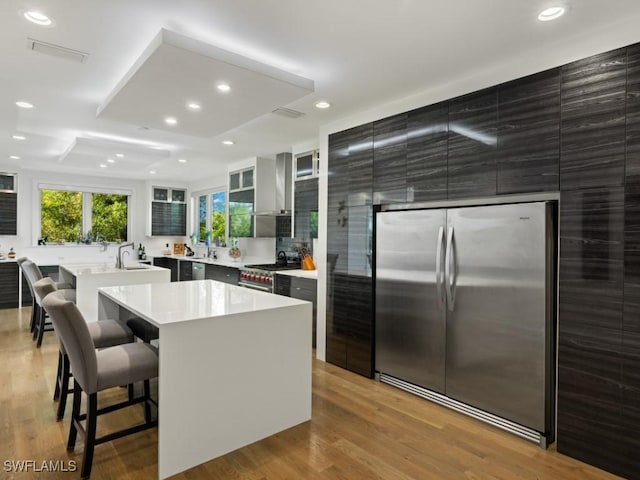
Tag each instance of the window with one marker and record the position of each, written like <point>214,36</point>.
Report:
<point>202,217</point>
<point>74,216</point>
<point>241,213</point>
<point>218,215</point>
<point>211,216</point>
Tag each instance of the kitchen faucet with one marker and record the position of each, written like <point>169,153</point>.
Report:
<point>119,263</point>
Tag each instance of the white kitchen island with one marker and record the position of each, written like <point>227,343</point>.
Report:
<point>87,278</point>
<point>235,364</point>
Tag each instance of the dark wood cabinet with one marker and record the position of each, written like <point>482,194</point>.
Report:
<point>593,121</point>
<point>9,285</point>
<point>8,213</point>
<point>359,169</point>
<point>170,263</point>
<point>471,170</point>
<point>529,134</point>
<point>390,160</point>
<point>349,237</point>
<point>185,268</point>
<point>575,129</point>
<point>427,135</point>
<point>350,327</point>
<point>306,209</point>
<point>222,273</point>
<point>300,288</point>
<point>168,218</point>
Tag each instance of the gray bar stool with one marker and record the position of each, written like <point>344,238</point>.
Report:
<point>38,315</point>
<point>98,370</point>
<point>104,333</point>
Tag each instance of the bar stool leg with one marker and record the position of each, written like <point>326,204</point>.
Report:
<point>40,330</point>
<point>56,393</point>
<point>90,436</point>
<point>64,386</point>
<point>75,416</point>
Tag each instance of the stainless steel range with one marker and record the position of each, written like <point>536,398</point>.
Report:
<point>260,277</point>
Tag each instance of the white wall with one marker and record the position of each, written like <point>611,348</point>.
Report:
<point>25,243</point>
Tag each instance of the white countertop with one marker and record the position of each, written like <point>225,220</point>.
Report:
<point>299,273</point>
<point>168,303</point>
<point>225,262</point>
<point>78,269</point>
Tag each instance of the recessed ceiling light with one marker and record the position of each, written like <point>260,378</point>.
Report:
<point>22,104</point>
<point>14,157</point>
<point>111,160</point>
<point>102,165</point>
<point>182,160</point>
<point>551,13</point>
<point>223,87</point>
<point>322,104</point>
<point>170,121</point>
<point>228,142</point>
<point>194,106</point>
<point>18,137</point>
<point>152,172</point>
<point>38,18</point>
<point>120,155</point>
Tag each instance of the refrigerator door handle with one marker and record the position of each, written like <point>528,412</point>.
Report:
<point>439,277</point>
<point>448,270</point>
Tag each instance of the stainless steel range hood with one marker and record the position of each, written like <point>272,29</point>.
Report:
<point>283,187</point>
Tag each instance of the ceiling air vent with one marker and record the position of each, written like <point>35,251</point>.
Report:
<point>287,112</point>
<point>57,50</point>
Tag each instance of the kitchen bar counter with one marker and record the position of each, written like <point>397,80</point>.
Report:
<point>88,277</point>
<point>235,364</point>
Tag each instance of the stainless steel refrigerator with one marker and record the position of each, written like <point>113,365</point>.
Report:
<point>465,309</point>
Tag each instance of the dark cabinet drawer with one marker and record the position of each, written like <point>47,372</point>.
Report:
<point>9,285</point>
<point>300,288</point>
<point>221,273</point>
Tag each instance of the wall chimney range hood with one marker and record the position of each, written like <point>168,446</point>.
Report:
<point>283,187</point>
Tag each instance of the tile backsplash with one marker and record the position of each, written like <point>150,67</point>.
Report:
<point>284,241</point>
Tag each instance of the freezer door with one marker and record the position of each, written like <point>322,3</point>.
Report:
<point>496,349</point>
<point>409,305</point>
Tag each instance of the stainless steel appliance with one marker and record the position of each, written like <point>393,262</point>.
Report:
<point>198,271</point>
<point>465,310</point>
<point>260,277</point>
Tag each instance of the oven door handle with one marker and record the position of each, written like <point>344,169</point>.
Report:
<point>255,287</point>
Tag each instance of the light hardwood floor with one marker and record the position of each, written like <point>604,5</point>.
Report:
<point>360,429</point>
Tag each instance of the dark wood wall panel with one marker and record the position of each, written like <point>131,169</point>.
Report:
<point>593,121</point>
<point>529,134</point>
<point>591,257</point>
<point>360,165</point>
<point>427,135</point>
<point>575,129</point>
<point>337,203</point>
<point>390,160</point>
<point>630,417</point>
<point>471,170</point>
<point>350,188</point>
<point>632,195</point>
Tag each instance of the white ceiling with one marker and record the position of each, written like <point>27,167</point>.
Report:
<point>358,53</point>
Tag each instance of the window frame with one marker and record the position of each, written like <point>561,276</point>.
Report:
<point>87,191</point>
<point>195,201</point>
